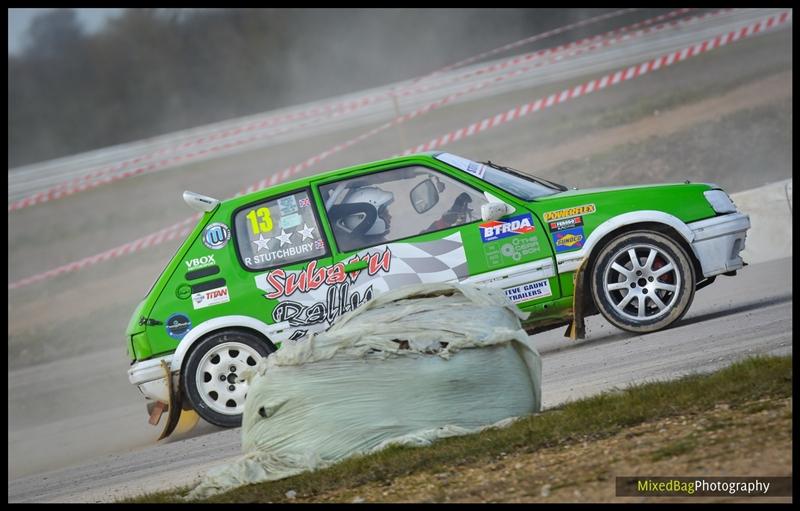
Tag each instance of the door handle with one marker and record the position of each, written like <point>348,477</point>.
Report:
<point>355,266</point>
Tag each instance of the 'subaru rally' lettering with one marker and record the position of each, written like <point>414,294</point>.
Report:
<point>313,277</point>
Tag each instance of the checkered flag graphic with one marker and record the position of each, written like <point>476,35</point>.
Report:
<point>441,260</point>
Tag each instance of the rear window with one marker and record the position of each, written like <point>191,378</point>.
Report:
<point>279,231</point>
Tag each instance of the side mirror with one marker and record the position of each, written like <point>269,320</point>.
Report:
<point>424,196</point>
<point>495,210</point>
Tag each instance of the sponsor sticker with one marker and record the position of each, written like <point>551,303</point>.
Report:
<point>469,166</point>
<point>569,239</point>
<point>476,169</point>
<point>216,236</point>
<point>211,297</point>
<point>567,223</point>
<point>499,229</point>
<point>511,251</point>
<point>177,325</point>
<point>529,291</point>
<point>287,205</point>
<point>561,214</point>
<point>200,262</point>
<point>183,291</point>
<point>292,220</point>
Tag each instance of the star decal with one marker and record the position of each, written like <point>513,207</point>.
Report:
<point>306,232</point>
<point>285,237</point>
<point>261,243</point>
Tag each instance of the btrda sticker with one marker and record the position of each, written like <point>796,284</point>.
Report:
<point>499,229</point>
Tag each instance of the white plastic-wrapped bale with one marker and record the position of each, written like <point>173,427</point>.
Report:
<point>423,362</point>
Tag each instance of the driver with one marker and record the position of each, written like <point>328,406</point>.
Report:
<point>362,219</point>
<point>458,214</point>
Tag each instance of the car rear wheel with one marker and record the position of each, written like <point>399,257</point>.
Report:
<point>642,281</point>
<point>213,369</point>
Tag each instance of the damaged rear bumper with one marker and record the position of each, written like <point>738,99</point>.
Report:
<point>157,381</point>
<point>149,377</point>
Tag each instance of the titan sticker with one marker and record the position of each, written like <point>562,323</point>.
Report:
<point>211,297</point>
<point>499,229</point>
<point>561,214</point>
<point>569,239</point>
<point>529,291</point>
<point>216,236</point>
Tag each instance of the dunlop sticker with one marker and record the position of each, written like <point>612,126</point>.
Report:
<point>561,214</point>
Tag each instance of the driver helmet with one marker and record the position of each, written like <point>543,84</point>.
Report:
<point>376,197</point>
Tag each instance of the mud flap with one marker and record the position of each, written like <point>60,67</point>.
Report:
<point>576,329</point>
<point>174,405</point>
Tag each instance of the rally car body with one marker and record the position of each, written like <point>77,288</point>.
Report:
<point>275,265</point>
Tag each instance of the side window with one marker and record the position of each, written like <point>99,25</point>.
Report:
<point>277,232</point>
<point>394,204</point>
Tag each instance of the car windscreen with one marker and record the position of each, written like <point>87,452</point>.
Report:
<point>517,185</point>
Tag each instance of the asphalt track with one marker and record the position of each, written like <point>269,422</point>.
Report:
<point>738,317</point>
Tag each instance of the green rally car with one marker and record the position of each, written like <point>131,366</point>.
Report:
<point>272,266</point>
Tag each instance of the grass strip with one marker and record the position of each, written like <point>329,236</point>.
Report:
<point>592,418</point>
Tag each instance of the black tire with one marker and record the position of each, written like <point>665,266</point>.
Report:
<point>665,293</point>
<point>213,398</point>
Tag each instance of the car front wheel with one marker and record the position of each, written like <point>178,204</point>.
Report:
<point>642,281</point>
<point>213,369</point>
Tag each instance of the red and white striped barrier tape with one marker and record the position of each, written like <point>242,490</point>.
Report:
<point>292,170</point>
<point>525,58</point>
<point>531,39</point>
<point>601,83</point>
<point>289,171</point>
<point>87,181</point>
<point>519,59</point>
<point>608,80</point>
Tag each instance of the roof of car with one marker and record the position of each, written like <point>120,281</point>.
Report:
<point>306,181</point>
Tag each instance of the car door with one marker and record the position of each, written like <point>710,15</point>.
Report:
<point>393,227</point>
<point>282,248</point>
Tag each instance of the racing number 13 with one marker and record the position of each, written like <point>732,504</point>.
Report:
<point>265,225</point>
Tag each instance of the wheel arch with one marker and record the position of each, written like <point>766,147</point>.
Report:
<point>203,330</point>
<point>658,221</point>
